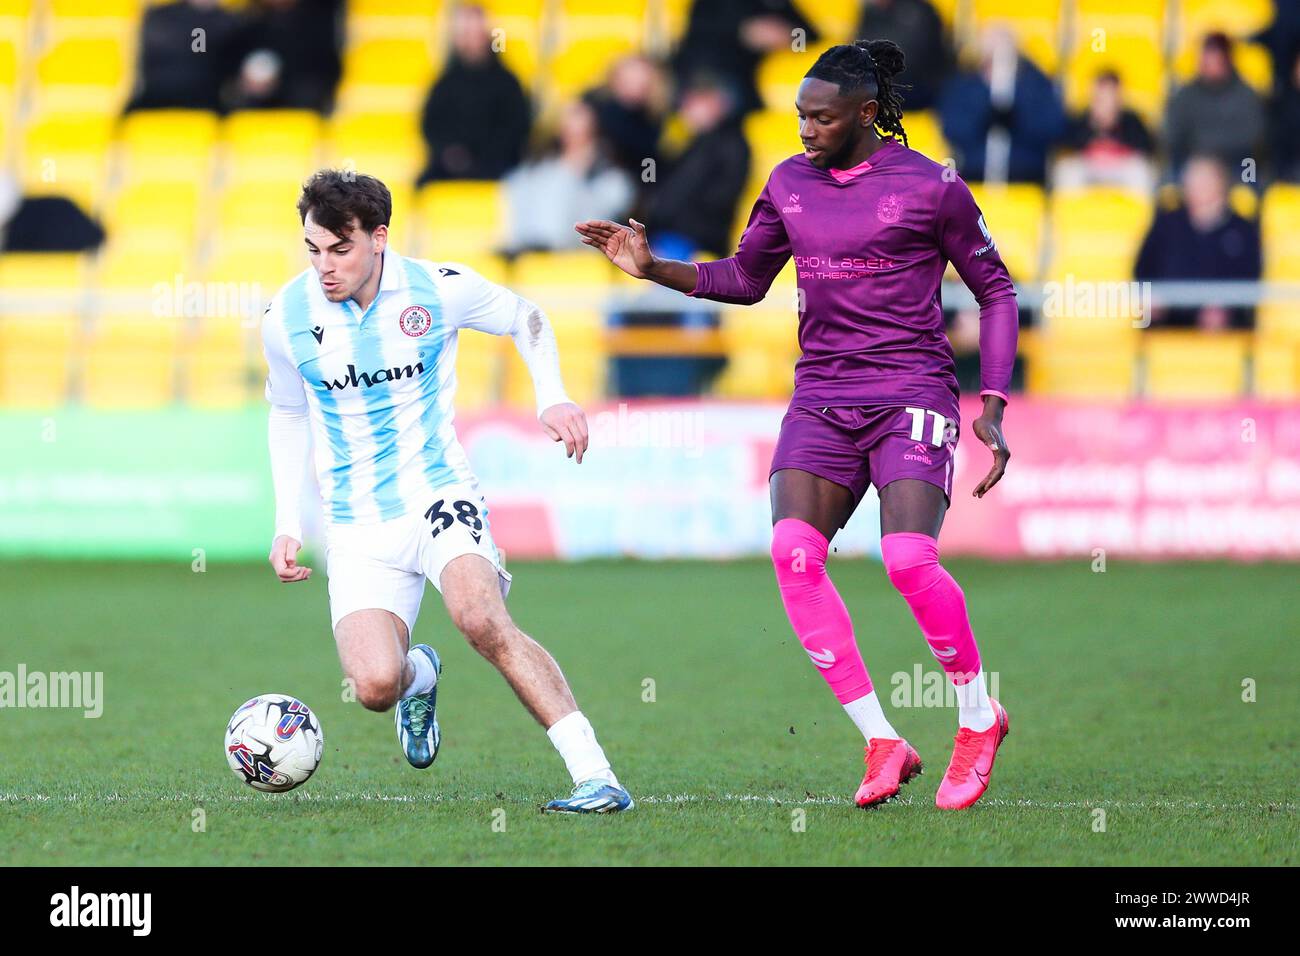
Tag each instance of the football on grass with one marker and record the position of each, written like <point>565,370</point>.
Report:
<point>274,743</point>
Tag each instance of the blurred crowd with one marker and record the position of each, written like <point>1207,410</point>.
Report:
<point>662,139</point>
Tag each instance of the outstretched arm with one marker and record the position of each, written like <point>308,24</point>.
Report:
<point>964,239</point>
<point>743,278</point>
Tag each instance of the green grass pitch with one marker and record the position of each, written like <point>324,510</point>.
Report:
<point>1124,690</point>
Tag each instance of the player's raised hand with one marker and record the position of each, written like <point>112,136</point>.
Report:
<point>567,423</point>
<point>626,246</point>
<point>988,429</point>
<point>284,559</point>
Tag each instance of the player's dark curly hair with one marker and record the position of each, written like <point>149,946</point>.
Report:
<point>869,67</point>
<point>335,196</point>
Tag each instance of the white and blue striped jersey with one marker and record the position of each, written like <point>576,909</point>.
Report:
<point>378,384</point>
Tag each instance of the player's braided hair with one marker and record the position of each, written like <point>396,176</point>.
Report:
<point>868,66</point>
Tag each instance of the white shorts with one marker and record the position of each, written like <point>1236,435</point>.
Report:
<point>385,565</point>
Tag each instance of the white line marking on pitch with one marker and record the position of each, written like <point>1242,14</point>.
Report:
<point>663,799</point>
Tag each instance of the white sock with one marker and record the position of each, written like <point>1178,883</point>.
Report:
<point>576,741</point>
<point>866,713</point>
<point>425,676</point>
<point>973,708</point>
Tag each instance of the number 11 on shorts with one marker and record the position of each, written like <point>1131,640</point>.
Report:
<point>918,425</point>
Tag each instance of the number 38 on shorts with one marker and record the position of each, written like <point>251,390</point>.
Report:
<point>466,512</point>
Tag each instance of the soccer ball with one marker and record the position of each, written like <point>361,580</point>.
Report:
<point>274,743</point>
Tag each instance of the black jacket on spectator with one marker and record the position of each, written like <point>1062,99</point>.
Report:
<point>916,28</point>
<point>172,73</point>
<point>697,197</point>
<point>1129,132</point>
<point>475,122</point>
<point>50,224</point>
<point>1285,117</point>
<point>711,44</point>
<point>1174,249</point>
<point>633,134</point>
<point>307,38</point>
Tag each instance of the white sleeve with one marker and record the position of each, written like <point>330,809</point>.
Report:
<point>289,436</point>
<point>472,302</point>
<point>283,380</point>
<point>288,428</point>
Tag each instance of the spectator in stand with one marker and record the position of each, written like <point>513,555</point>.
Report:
<point>1004,116</point>
<point>1110,144</point>
<point>692,206</point>
<point>630,110</point>
<point>43,223</point>
<point>574,180</point>
<point>290,55</point>
<point>476,119</point>
<point>179,67</point>
<point>1286,126</point>
<point>915,26</point>
<point>1215,91</point>
<point>728,39</point>
<point>1202,240</point>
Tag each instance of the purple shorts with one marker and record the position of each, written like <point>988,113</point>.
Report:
<point>857,446</point>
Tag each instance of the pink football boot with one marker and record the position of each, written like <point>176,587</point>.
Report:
<point>972,763</point>
<point>891,762</point>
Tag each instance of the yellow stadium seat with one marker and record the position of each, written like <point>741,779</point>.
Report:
<point>762,345</point>
<point>1093,367</point>
<point>1015,215</point>
<point>222,380</point>
<point>385,145</point>
<point>167,145</point>
<point>1278,320</point>
<point>266,268</point>
<point>1276,366</point>
<point>773,136</point>
<point>155,214</point>
<point>1194,365</point>
<point>461,215</point>
<point>780,73</point>
<point>36,357</point>
<point>42,272</point>
<point>140,283</point>
<point>1280,232</point>
<point>390,74</point>
<point>579,269</point>
<point>600,22</point>
<point>1136,58</point>
<point>1035,24</point>
<point>583,63</point>
<point>131,363</point>
<point>834,19</point>
<point>122,9</point>
<point>67,154</point>
<point>1096,233</point>
<point>479,360</point>
<point>1235,17</point>
<point>271,145</point>
<point>925,135</point>
<point>86,72</point>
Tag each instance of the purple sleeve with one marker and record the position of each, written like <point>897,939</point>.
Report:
<point>965,241</point>
<point>746,276</point>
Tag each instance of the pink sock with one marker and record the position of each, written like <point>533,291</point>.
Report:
<point>816,611</point>
<point>937,603</point>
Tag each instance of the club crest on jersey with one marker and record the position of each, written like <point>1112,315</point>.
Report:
<point>889,209</point>
<point>415,320</point>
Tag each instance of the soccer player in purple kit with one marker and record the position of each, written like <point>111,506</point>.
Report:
<point>871,225</point>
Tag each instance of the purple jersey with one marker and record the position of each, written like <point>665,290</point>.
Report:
<point>870,247</point>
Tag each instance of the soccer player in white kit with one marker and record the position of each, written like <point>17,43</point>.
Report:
<point>361,349</point>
